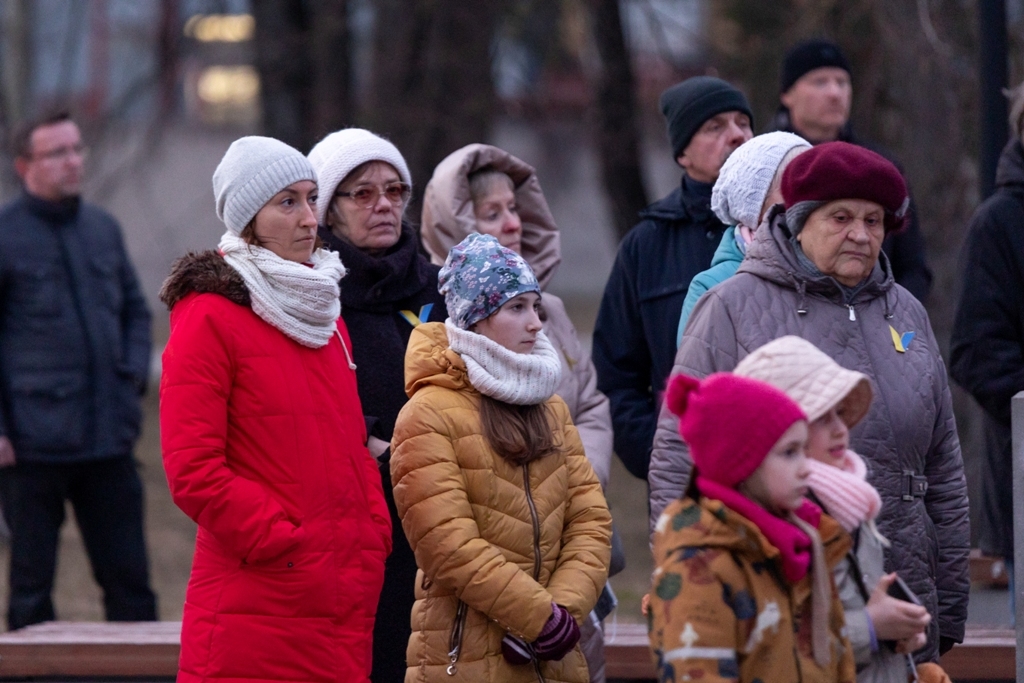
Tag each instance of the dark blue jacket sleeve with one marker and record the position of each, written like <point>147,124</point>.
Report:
<point>623,364</point>
<point>135,323</point>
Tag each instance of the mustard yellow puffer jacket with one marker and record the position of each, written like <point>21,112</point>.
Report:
<point>483,528</point>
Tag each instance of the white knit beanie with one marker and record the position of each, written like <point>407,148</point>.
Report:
<point>339,153</point>
<point>253,170</point>
<point>746,177</point>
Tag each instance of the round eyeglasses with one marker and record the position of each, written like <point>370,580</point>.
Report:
<point>367,196</point>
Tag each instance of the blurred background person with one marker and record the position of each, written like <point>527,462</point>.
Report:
<point>814,101</point>
<point>676,238</point>
<point>74,360</point>
<point>389,289</point>
<point>264,439</point>
<point>987,346</point>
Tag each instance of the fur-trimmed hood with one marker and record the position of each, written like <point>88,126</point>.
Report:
<point>205,272</point>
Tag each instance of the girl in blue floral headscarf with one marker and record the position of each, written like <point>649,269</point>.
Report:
<point>501,507</point>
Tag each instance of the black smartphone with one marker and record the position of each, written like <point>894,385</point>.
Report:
<point>899,590</point>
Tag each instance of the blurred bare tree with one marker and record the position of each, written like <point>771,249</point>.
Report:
<point>303,55</point>
<point>433,90</point>
<point>617,130</point>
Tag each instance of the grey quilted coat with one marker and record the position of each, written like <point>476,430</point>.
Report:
<point>908,438</point>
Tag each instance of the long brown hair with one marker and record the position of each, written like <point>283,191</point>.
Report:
<point>519,434</point>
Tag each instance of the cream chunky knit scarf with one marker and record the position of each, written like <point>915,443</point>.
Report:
<point>301,301</point>
<point>521,379</point>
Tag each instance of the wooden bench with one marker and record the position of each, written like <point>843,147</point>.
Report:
<point>140,650</point>
<point>985,654</point>
<point>988,571</point>
<point>149,650</point>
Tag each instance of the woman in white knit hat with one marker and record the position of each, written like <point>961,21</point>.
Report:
<point>882,629</point>
<point>264,440</point>
<point>747,186</point>
<point>390,288</point>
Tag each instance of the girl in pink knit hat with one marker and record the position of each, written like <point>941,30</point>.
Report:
<point>742,587</point>
<point>882,629</point>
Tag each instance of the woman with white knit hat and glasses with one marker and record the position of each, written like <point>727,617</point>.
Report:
<point>264,440</point>
<point>390,288</point>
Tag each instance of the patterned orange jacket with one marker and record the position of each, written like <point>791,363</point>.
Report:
<point>721,611</point>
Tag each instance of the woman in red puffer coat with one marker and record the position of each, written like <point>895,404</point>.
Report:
<point>264,440</point>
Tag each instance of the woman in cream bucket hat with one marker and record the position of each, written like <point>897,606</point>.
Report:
<point>835,400</point>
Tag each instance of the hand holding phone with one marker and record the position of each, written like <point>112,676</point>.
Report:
<point>895,612</point>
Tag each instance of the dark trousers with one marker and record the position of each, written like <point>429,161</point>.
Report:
<point>106,496</point>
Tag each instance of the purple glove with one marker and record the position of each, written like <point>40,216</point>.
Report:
<point>558,637</point>
<point>515,651</point>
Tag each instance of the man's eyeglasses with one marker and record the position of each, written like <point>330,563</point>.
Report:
<point>62,153</point>
<point>366,197</point>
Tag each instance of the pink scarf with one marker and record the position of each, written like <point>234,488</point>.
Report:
<point>844,492</point>
<point>794,545</point>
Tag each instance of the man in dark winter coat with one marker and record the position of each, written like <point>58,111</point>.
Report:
<point>987,348</point>
<point>815,98</point>
<point>74,359</point>
<point>635,333</point>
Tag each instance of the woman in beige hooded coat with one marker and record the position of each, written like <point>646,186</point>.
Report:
<point>449,215</point>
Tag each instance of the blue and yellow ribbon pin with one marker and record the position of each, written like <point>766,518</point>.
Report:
<point>901,341</point>
<point>414,319</point>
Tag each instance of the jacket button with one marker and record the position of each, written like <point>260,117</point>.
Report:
<point>290,564</point>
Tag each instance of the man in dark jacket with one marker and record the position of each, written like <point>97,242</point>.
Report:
<point>74,358</point>
<point>815,98</point>
<point>635,333</point>
<point>987,348</point>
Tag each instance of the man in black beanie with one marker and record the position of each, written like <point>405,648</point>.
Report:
<point>814,103</point>
<point>635,333</point>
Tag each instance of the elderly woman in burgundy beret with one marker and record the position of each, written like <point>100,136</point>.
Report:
<point>816,270</point>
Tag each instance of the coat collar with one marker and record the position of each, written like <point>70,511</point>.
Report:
<point>56,213</point>
<point>772,257</point>
<point>378,282</point>
<point>204,272</point>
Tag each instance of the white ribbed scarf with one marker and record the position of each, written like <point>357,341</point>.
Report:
<point>303,302</point>
<point>521,379</point>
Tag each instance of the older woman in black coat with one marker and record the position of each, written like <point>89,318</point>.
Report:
<point>389,289</point>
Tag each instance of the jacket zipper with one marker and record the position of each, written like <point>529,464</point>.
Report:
<point>853,316</point>
<point>536,546</point>
<point>536,522</point>
<point>455,640</point>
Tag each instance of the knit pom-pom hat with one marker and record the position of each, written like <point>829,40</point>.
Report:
<point>747,175</point>
<point>479,276</point>
<point>707,422</point>
<point>840,170</point>
<point>253,170</point>
<point>341,152</point>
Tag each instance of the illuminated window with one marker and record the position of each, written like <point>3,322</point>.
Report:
<point>223,28</point>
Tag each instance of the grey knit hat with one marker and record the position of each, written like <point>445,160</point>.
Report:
<point>746,177</point>
<point>253,170</point>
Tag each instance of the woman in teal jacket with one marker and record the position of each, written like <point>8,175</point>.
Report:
<point>746,187</point>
